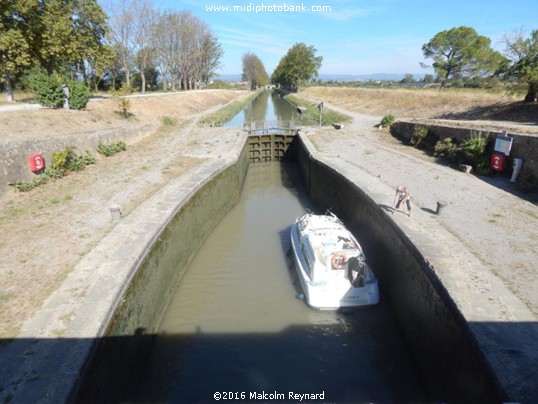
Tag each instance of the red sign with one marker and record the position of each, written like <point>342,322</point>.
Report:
<point>497,161</point>
<point>36,162</point>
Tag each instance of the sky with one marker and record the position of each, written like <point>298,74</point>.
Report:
<point>355,37</point>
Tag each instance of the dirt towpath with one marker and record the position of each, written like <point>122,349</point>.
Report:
<point>45,232</point>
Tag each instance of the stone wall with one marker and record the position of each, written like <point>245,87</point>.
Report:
<point>523,146</point>
<point>14,155</point>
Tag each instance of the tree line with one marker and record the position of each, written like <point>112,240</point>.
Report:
<point>459,55</point>
<point>78,40</point>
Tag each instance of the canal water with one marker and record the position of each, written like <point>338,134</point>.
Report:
<point>236,328</point>
<point>269,106</point>
<point>236,325</point>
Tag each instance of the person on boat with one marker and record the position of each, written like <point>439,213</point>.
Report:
<point>356,271</point>
<point>401,197</point>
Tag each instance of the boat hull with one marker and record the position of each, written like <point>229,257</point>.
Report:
<point>332,295</point>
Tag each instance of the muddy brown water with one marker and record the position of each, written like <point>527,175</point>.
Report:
<point>236,330</point>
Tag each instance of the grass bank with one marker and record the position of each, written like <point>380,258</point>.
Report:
<point>426,103</point>
<point>231,109</point>
<point>310,109</point>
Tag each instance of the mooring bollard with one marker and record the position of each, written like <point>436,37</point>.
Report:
<point>440,206</point>
<point>115,212</point>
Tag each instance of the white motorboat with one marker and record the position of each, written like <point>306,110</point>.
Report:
<point>330,264</point>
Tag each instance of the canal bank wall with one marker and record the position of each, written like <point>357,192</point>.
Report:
<point>524,146</point>
<point>14,155</point>
<point>464,346</point>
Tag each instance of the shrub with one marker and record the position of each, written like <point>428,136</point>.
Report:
<point>445,148</point>
<point>63,158</point>
<point>47,89</point>
<point>473,151</point>
<point>387,121</point>
<point>124,103</point>
<point>79,95</point>
<point>419,134</point>
<point>108,150</point>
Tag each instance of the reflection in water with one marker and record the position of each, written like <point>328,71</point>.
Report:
<point>235,325</point>
<point>269,106</point>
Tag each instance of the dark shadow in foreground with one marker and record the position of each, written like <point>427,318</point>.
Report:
<point>201,364</point>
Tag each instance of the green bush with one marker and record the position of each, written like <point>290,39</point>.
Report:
<point>473,152</point>
<point>47,89</point>
<point>62,159</point>
<point>79,95</point>
<point>387,121</point>
<point>419,134</point>
<point>108,150</point>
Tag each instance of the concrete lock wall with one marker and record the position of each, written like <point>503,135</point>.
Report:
<point>14,155</point>
<point>449,359</point>
<point>523,146</point>
<point>120,355</point>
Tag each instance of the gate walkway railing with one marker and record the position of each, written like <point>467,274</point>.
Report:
<point>269,126</point>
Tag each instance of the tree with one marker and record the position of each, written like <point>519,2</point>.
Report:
<point>522,54</point>
<point>186,50</point>
<point>298,66</point>
<point>60,35</point>
<point>211,55</point>
<point>254,71</point>
<point>144,25</point>
<point>70,32</point>
<point>408,78</point>
<point>428,78</point>
<point>461,52</point>
<point>122,24</point>
<point>16,17</point>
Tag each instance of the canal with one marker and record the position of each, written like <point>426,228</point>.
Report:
<point>237,329</point>
<point>269,106</point>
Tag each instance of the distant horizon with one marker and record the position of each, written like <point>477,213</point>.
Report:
<point>337,76</point>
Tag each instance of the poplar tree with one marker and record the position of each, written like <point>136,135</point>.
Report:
<point>254,71</point>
